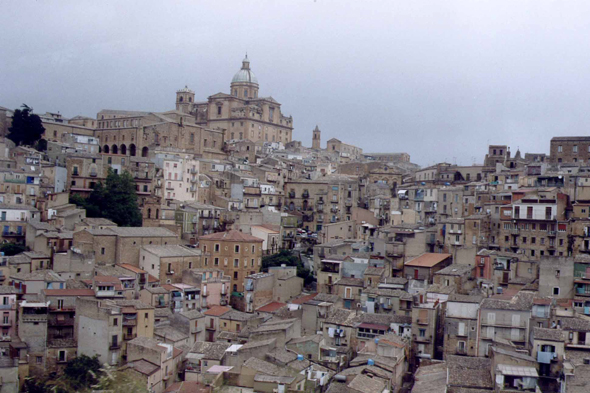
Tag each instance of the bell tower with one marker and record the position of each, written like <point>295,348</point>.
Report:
<point>185,99</point>
<point>316,142</point>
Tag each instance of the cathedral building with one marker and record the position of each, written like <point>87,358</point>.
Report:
<point>242,114</point>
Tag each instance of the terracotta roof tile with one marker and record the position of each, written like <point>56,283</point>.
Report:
<point>217,311</point>
<point>69,292</point>
<point>271,307</point>
<point>231,236</point>
<point>428,260</point>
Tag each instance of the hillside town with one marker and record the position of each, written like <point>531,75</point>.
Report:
<point>266,264</point>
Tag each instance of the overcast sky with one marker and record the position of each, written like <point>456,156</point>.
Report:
<point>437,79</point>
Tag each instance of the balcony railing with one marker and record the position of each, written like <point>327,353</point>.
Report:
<point>514,324</point>
<point>129,336</point>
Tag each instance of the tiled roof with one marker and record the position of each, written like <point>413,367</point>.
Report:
<point>271,307</point>
<point>522,301</point>
<point>232,236</point>
<point>68,292</point>
<point>366,384</point>
<point>469,372</point>
<point>142,232</point>
<point>428,260</point>
<point>455,269</point>
<point>143,366</point>
<point>210,350</point>
<point>217,311</point>
<point>303,299</point>
<point>172,251</point>
<point>549,334</point>
<point>132,268</point>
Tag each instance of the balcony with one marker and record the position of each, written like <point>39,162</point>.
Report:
<point>292,194</point>
<point>330,267</point>
<point>196,329</point>
<point>551,233</point>
<point>424,339</point>
<point>170,272</point>
<point>515,232</point>
<point>192,368</point>
<point>422,321</point>
<point>461,351</point>
<point>546,357</point>
<point>129,322</point>
<point>12,234</point>
<point>507,324</point>
<point>455,231</point>
<point>33,317</point>
<point>129,336</point>
<point>305,194</point>
<point>114,346</point>
<point>348,203</point>
<point>61,322</point>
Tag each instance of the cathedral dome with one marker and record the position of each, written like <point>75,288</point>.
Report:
<point>245,74</point>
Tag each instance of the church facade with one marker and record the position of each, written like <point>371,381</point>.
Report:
<point>242,114</point>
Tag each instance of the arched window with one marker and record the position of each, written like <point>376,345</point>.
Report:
<point>132,150</point>
<point>145,151</point>
<point>190,99</point>
<point>180,99</point>
<point>157,214</point>
<point>105,149</point>
<point>149,213</point>
<point>115,149</point>
<point>123,149</point>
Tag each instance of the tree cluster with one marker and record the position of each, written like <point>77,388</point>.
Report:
<point>27,128</point>
<point>286,257</point>
<point>115,200</point>
<point>85,374</point>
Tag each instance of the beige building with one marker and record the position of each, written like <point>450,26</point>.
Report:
<point>121,245</point>
<point>168,263</point>
<point>346,151</point>
<point>242,114</point>
<point>327,200</point>
<point>236,253</point>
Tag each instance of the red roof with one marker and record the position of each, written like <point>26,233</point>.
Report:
<point>132,268</point>
<point>152,278</point>
<point>375,326</point>
<point>69,292</point>
<point>232,236</point>
<point>428,260</point>
<point>270,307</point>
<point>304,299</point>
<point>217,311</point>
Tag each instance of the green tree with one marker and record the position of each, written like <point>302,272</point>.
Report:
<point>10,249</point>
<point>82,372</point>
<point>115,200</point>
<point>286,257</point>
<point>26,128</point>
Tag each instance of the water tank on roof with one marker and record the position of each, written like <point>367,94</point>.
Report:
<point>376,341</point>
<point>299,357</point>
<point>371,362</point>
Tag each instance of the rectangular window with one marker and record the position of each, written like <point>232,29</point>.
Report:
<point>236,248</point>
